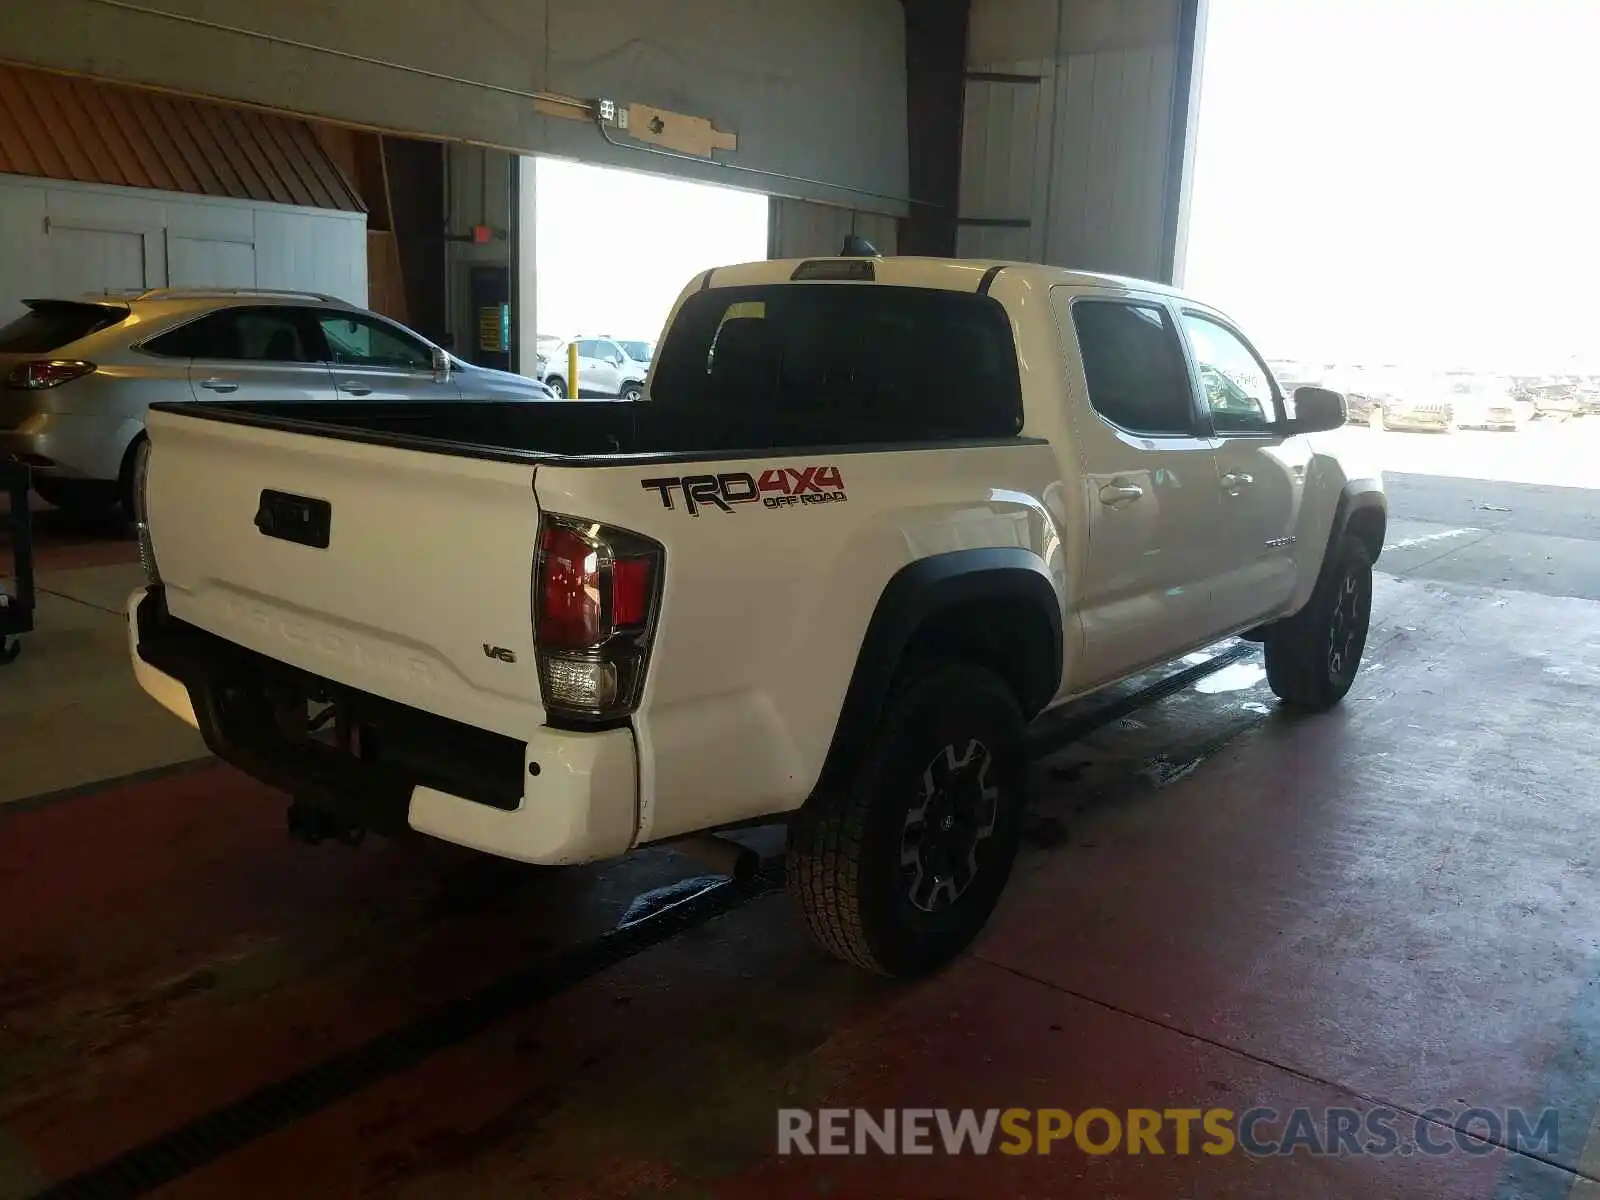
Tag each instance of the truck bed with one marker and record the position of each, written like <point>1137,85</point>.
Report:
<point>572,430</point>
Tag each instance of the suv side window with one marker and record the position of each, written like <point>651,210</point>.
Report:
<point>1238,389</point>
<point>241,335</point>
<point>609,352</point>
<point>356,340</point>
<point>1134,366</point>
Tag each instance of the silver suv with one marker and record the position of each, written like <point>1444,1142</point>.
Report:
<point>76,376</point>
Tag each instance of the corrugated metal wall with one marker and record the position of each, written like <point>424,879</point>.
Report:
<point>814,90</point>
<point>797,229</point>
<point>1077,116</point>
<point>55,127</point>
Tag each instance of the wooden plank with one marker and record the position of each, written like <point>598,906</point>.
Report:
<point>102,162</point>
<point>175,124</point>
<point>296,177</point>
<point>98,110</point>
<point>35,128</point>
<point>243,126</point>
<point>215,143</point>
<point>676,131</point>
<point>16,153</point>
<point>138,130</point>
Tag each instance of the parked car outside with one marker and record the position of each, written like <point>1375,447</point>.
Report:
<point>77,375</point>
<point>1483,402</point>
<point>608,368</point>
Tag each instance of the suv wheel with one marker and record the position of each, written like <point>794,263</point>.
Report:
<point>557,385</point>
<point>900,868</point>
<point>1312,657</point>
<point>631,391</point>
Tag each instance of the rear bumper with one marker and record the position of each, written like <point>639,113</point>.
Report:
<point>1418,420</point>
<point>559,798</point>
<point>71,445</point>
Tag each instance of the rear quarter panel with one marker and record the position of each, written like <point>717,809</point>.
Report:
<point>765,606</point>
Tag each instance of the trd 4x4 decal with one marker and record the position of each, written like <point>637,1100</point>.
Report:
<point>777,487</point>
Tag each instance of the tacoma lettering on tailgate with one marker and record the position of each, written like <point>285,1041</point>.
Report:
<point>777,487</point>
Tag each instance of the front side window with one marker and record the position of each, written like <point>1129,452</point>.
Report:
<point>1238,389</point>
<point>240,335</point>
<point>359,341</point>
<point>1133,366</point>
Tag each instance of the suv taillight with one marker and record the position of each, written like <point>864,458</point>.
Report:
<point>595,594</point>
<point>36,376</point>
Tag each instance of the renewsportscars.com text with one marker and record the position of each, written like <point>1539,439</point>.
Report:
<point>1258,1132</point>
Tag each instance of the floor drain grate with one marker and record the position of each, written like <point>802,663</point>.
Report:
<point>224,1130</point>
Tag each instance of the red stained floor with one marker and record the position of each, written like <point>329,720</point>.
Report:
<point>62,543</point>
<point>1392,906</point>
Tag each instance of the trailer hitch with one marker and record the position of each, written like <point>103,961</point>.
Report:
<point>313,826</point>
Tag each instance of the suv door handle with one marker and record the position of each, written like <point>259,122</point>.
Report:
<point>355,389</point>
<point>1120,493</point>
<point>1237,479</point>
<point>219,385</point>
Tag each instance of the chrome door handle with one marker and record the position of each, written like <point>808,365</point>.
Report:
<point>1120,493</point>
<point>219,385</point>
<point>1237,479</point>
<point>355,389</point>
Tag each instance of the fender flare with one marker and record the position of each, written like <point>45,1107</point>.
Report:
<point>919,592</point>
<point>1357,494</point>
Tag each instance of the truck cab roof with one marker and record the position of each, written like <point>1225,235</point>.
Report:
<point>950,274</point>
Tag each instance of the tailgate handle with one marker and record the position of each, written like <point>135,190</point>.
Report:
<point>297,519</point>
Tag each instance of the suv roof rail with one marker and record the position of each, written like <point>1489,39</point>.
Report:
<point>200,293</point>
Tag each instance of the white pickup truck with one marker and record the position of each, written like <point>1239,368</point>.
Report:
<point>873,516</point>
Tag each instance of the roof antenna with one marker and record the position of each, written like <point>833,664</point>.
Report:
<point>856,246</point>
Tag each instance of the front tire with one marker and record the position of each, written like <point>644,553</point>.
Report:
<point>631,392</point>
<point>898,869</point>
<point>1313,656</point>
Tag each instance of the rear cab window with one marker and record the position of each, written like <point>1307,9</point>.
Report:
<point>844,362</point>
<point>1134,367</point>
<point>49,325</point>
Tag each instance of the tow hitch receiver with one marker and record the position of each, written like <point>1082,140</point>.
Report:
<point>314,826</point>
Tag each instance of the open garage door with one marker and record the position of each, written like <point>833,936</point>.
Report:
<point>612,251</point>
<point>803,230</point>
<point>812,96</point>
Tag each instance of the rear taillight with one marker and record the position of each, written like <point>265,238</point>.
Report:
<point>595,593</point>
<point>141,511</point>
<point>36,376</point>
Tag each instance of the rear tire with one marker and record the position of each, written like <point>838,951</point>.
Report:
<point>898,869</point>
<point>1313,656</point>
<point>557,385</point>
<point>125,480</point>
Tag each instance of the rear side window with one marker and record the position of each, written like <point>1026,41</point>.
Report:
<point>1134,366</point>
<point>242,335</point>
<point>49,325</point>
<point>840,362</point>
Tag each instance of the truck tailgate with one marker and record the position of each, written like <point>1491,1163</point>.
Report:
<point>421,593</point>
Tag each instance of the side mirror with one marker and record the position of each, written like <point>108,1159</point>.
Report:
<point>441,365</point>
<point>1318,409</point>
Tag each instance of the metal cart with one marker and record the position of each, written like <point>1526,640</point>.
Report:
<point>16,600</point>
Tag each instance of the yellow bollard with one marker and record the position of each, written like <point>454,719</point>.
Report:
<point>572,371</point>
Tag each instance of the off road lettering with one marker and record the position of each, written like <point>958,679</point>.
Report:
<point>776,487</point>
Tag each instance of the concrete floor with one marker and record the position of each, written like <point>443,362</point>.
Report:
<point>1219,906</point>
